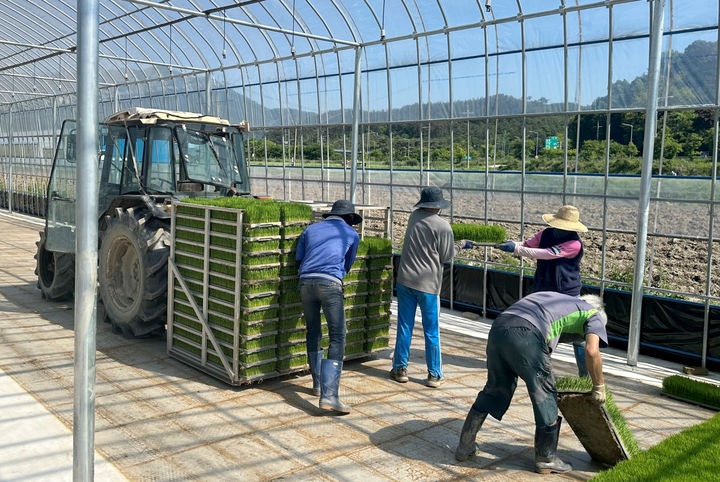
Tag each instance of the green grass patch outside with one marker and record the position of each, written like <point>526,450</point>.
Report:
<point>584,384</point>
<point>694,390</point>
<point>479,233</point>
<point>692,454</point>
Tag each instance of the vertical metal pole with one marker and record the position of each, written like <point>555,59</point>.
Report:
<point>10,158</point>
<point>355,124</point>
<point>116,107</point>
<point>644,205</point>
<point>86,241</point>
<point>54,122</point>
<point>711,233</point>
<point>208,94</point>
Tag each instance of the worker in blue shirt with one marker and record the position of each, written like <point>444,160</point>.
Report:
<point>326,252</point>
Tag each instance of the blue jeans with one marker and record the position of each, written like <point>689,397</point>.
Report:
<point>408,300</point>
<point>317,293</point>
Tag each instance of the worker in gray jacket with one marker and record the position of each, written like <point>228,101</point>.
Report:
<point>429,242</point>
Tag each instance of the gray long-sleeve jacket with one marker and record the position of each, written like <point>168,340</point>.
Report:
<point>429,242</point>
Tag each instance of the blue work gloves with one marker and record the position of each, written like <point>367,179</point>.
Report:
<point>507,246</point>
<point>463,244</point>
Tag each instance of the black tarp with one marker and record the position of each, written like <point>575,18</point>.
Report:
<point>671,329</point>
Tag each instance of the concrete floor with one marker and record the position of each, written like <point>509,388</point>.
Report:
<point>159,419</point>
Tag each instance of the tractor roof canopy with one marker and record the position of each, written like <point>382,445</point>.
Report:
<point>145,115</point>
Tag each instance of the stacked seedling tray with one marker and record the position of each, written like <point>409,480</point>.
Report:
<point>234,308</point>
<point>380,278</point>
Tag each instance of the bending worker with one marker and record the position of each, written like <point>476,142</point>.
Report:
<point>519,345</point>
<point>428,244</point>
<point>558,250</point>
<point>326,252</point>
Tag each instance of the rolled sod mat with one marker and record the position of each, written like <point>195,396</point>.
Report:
<point>479,233</point>
<point>593,427</point>
<point>602,430</point>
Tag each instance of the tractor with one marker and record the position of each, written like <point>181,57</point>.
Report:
<point>147,158</point>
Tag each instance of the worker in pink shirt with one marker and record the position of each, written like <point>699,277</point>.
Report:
<point>558,251</point>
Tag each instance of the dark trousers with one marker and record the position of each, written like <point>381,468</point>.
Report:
<point>319,293</point>
<point>516,349</point>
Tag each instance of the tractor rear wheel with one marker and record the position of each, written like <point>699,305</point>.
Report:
<point>132,273</point>
<point>55,272</point>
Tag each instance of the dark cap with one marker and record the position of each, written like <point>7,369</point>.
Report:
<point>432,197</point>
<point>346,209</point>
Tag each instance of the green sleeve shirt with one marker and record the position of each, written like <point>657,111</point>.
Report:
<point>556,314</point>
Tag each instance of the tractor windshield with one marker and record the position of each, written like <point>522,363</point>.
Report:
<point>202,160</point>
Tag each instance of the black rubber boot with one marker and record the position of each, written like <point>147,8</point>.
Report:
<point>466,447</point>
<point>329,399</point>
<point>546,442</point>
<point>315,359</point>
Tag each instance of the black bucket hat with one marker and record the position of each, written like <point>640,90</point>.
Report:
<point>432,197</point>
<point>346,209</point>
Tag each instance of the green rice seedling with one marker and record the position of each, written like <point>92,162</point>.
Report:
<point>189,235</point>
<point>355,299</point>
<point>354,348</point>
<point>292,230</point>
<point>381,321</point>
<point>363,248</point>
<point>261,274</point>
<point>377,332</point>
<point>376,344</point>
<point>479,233</point>
<point>379,246</point>
<point>377,310</point>
<point>186,347</point>
<point>222,241</point>
<point>289,284</point>
<point>220,308</point>
<point>354,312</point>
<point>264,287</point>
<point>689,455</point>
<point>380,275</point>
<point>269,368</point>
<point>693,390</point>
<point>292,324</point>
<point>296,336</point>
<point>220,321</point>
<point>293,361</point>
<point>290,297</point>
<point>290,212</point>
<point>190,223</point>
<point>355,288</point>
<point>222,255</point>
<point>269,300</point>
<point>261,260</point>
<point>190,211</point>
<point>356,324</point>
<point>258,328</point>
<point>188,260</point>
<point>354,276</point>
<point>261,246</point>
<point>289,270</point>
<point>222,268</point>
<point>584,384</point>
<point>289,244</point>
<point>375,297</point>
<point>379,263</point>
<point>223,228</point>
<point>271,314</point>
<point>355,336</point>
<point>259,232</point>
<point>221,295</point>
<point>255,357</point>
<point>258,342</point>
<point>291,349</point>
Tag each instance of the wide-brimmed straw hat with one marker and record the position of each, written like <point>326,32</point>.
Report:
<point>432,197</point>
<point>567,218</point>
<point>345,209</point>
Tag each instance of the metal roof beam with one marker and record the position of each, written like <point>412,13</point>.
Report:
<point>207,15</point>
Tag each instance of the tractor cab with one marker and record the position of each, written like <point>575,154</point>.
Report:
<point>147,157</point>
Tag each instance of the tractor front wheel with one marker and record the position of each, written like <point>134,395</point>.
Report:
<point>55,272</point>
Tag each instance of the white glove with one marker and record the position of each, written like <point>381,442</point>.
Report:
<point>598,394</point>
